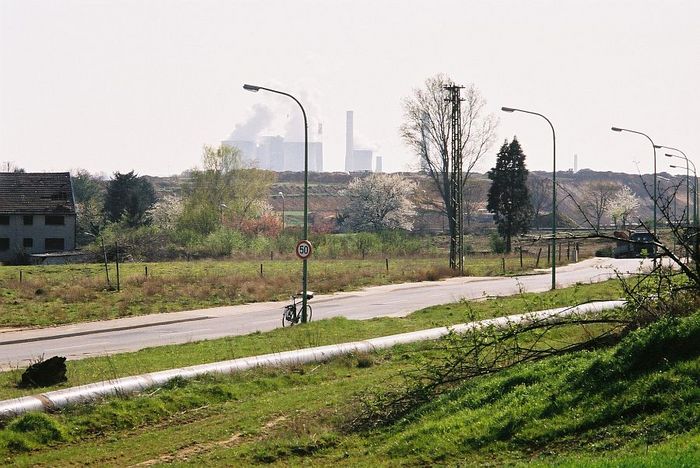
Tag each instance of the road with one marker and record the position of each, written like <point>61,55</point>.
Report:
<point>78,341</point>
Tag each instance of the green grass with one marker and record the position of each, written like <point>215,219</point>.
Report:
<point>636,404</point>
<point>52,295</point>
<point>318,333</point>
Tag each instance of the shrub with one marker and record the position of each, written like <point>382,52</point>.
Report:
<point>498,245</point>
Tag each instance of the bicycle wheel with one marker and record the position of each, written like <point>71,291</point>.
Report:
<point>308,313</point>
<point>289,316</point>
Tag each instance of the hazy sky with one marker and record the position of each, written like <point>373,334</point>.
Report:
<point>121,85</point>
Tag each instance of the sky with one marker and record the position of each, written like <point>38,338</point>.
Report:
<point>109,85</point>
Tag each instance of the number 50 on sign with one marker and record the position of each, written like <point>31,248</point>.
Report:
<point>304,249</point>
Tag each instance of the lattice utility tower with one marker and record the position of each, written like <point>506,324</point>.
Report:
<point>456,211</point>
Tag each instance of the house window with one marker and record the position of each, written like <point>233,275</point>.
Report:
<point>4,220</point>
<point>54,243</point>
<point>28,220</point>
<point>4,243</point>
<point>28,242</point>
<point>52,220</point>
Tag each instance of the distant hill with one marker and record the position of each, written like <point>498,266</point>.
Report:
<point>326,197</point>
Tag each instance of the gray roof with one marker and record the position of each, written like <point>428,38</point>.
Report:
<point>36,192</point>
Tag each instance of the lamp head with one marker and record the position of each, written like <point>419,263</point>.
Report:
<point>616,129</point>
<point>670,155</point>
<point>251,88</point>
<point>280,194</point>
<point>675,167</point>
<point>507,109</point>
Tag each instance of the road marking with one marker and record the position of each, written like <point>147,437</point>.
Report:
<point>79,346</point>
<point>188,332</point>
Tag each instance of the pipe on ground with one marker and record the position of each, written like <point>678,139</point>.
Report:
<point>129,385</point>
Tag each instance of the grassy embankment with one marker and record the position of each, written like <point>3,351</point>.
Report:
<point>51,295</point>
<point>631,404</point>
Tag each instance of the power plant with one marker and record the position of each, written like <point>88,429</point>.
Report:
<point>356,159</point>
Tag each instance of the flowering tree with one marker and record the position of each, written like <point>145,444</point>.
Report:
<point>622,205</point>
<point>378,202</point>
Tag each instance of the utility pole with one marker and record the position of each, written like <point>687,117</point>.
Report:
<point>456,211</point>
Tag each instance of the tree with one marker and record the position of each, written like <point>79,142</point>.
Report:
<point>379,202</point>
<point>622,205</point>
<point>129,198</point>
<point>540,189</point>
<point>596,198</point>
<point>508,197</point>
<point>223,191</point>
<point>89,193</point>
<point>427,131</point>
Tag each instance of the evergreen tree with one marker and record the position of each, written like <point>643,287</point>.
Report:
<point>128,198</point>
<point>508,199</point>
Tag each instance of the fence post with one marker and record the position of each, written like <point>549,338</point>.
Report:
<point>503,264</point>
<point>521,257</point>
<point>560,252</point>
<point>116,256</point>
<point>20,276</point>
<point>386,260</point>
<point>537,262</point>
<point>145,268</point>
<point>261,270</point>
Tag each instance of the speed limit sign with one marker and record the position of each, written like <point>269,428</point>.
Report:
<point>303,249</point>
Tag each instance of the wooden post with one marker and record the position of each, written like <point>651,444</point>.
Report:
<point>503,264</point>
<point>145,268</point>
<point>261,270</point>
<point>568,250</point>
<point>20,276</point>
<point>521,257</point>
<point>537,262</point>
<point>116,256</point>
<point>549,254</point>
<point>560,252</point>
<point>386,260</point>
<point>272,255</point>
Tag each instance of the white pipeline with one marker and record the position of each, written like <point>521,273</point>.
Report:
<point>129,385</point>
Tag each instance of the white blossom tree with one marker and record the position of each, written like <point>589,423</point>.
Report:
<point>622,205</point>
<point>379,202</point>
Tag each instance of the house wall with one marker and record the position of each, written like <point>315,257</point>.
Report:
<point>39,231</point>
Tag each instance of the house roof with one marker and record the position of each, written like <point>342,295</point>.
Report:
<point>36,192</point>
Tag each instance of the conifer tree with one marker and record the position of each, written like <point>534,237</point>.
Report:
<point>508,199</point>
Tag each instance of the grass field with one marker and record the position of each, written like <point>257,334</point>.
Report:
<point>51,295</point>
<point>635,404</point>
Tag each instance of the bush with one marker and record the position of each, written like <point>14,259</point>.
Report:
<point>497,243</point>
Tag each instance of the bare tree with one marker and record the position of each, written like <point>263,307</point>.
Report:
<point>597,196</point>
<point>540,189</point>
<point>426,130</point>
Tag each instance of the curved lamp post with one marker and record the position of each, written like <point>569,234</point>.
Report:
<point>618,129</point>
<point>304,281</point>
<point>688,162</point>
<point>554,190</point>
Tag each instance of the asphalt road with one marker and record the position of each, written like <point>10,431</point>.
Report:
<point>17,348</point>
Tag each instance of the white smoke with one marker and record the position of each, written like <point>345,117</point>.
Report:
<point>259,121</point>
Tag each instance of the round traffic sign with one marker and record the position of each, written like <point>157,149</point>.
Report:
<point>304,249</point>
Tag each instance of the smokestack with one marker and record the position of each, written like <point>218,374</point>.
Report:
<point>348,141</point>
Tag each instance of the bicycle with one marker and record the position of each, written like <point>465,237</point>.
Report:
<point>290,315</point>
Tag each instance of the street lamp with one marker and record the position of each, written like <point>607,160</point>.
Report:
<point>222,207</point>
<point>688,162</point>
<point>618,129</point>
<point>554,190</point>
<point>255,89</point>
<point>282,195</point>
